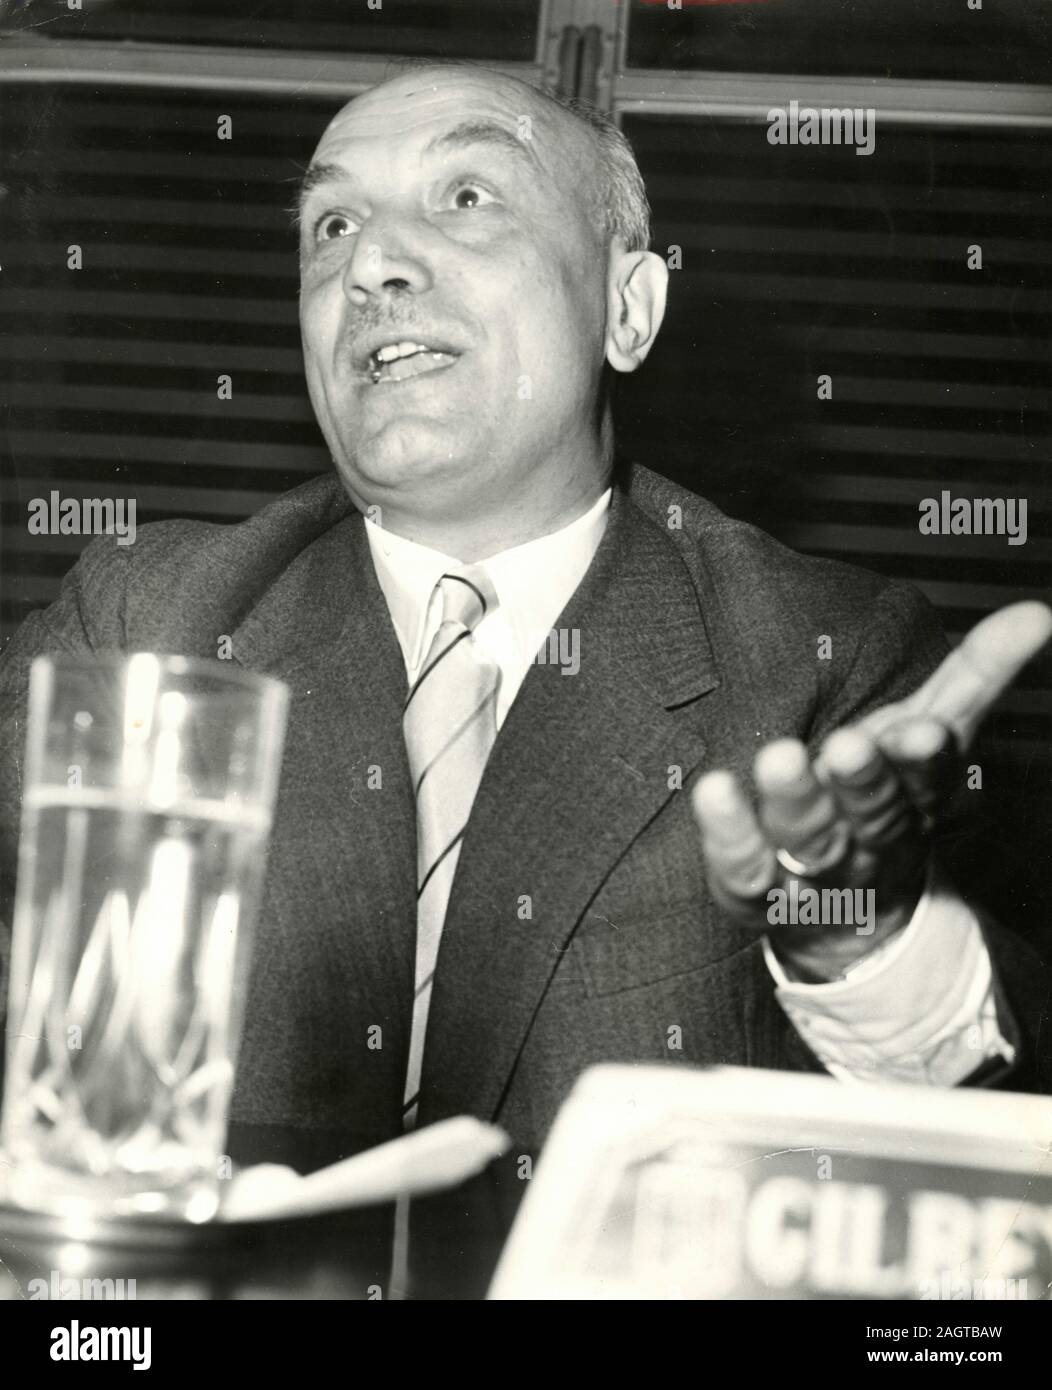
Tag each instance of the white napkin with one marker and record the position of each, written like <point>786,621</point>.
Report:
<point>441,1155</point>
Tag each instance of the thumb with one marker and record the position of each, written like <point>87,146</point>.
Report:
<point>975,675</point>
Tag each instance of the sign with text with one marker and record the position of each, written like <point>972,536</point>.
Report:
<point>662,1182</point>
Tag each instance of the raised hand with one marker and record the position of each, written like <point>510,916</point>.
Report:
<point>834,857</point>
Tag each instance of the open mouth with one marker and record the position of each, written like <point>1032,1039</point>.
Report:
<point>403,360</point>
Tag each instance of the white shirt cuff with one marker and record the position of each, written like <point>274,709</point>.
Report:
<point>920,1007</point>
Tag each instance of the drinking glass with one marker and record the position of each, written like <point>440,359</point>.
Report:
<point>148,790</point>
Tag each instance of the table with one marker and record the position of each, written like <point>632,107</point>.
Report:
<point>447,1246</point>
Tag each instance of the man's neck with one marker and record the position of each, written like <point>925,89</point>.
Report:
<point>479,524</point>
<point>475,539</point>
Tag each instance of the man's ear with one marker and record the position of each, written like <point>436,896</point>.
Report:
<point>637,282</point>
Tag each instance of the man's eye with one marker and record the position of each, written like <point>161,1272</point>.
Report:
<point>467,196</point>
<point>332,226</point>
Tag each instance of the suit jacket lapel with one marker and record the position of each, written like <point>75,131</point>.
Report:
<point>343,850</point>
<point>578,770</point>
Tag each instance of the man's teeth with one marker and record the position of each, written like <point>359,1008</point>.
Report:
<point>393,351</point>
<point>384,363</point>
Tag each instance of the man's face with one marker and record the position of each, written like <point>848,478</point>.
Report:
<point>450,211</point>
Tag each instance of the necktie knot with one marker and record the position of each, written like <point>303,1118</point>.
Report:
<point>467,597</point>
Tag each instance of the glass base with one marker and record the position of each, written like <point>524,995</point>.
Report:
<point>73,1196</point>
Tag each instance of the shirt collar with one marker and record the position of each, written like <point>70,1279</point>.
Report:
<point>534,581</point>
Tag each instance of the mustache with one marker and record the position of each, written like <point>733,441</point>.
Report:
<point>373,326</point>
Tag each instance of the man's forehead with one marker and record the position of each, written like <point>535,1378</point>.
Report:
<point>416,107</point>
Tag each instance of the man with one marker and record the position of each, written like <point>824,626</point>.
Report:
<point>535,693</point>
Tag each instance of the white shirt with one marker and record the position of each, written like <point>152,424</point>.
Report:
<point>534,583</point>
<point>919,1007</point>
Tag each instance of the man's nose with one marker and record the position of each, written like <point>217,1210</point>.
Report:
<point>384,263</point>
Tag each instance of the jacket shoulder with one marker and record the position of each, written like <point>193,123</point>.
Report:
<point>260,546</point>
<point>736,551</point>
<point>182,582</point>
<point>840,637</point>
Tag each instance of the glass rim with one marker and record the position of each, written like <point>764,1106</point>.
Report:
<point>169,662</point>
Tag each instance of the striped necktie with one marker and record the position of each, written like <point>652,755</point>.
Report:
<point>450,724</point>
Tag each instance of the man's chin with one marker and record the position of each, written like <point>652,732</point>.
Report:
<point>408,451</point>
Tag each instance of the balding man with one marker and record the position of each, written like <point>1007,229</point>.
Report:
<point>562,769</point>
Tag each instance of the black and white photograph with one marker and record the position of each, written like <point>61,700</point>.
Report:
<point>525,666</point>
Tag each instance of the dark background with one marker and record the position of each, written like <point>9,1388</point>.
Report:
<point>795,262</point>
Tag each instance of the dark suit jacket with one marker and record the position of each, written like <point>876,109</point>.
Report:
<point>699,641</point>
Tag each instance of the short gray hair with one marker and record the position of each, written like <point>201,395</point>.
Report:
<point>623,208</point>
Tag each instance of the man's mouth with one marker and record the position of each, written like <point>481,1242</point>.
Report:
<point>402,360</point>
